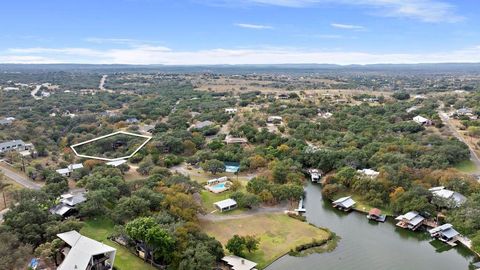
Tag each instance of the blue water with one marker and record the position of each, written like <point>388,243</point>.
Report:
<point>218,186</point>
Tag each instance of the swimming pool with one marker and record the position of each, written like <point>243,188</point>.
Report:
<point>218,187</point>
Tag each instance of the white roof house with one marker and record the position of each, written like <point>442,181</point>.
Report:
<point>444,232</point>
<point>85,253</point>
<point>443,193</point>
<point>274,118</point>
<point>116,163</point>
<point>231,110</point>
<point>68,202</point>
<point>238,263</point>
<point>369,172</point>
<point>226,205</point>
<point>344,203</point>
<point>411,220</point>
<point>72,167</point>
<point>421,120</point>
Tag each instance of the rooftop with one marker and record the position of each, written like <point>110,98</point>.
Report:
<point>239,263</point>
<point>226,203</point>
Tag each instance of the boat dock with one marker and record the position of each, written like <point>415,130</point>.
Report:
<point>301,207</point>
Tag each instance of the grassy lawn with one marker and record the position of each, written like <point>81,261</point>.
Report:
<point>466,166</point>
<point>278,234</point>
<point>365,207</point>
<point>99,230</point>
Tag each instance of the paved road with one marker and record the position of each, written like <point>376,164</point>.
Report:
<point>20,179</point>
<point>446,121</point>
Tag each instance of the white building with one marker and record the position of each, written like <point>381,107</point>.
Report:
<point>72,167</point>
<point>238,263</point>
<point>368,172</point>
<point>83,253</point>
<point>422,120</point>
<point>231,110</point>
<point>15,145</point>
<point>226,205</point>
<point>453,199</point>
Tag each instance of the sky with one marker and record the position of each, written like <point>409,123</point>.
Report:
<point>210,32</point>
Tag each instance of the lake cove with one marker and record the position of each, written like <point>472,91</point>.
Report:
<point>367,245</point>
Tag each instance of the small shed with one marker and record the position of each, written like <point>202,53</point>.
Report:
<point>226,205</point>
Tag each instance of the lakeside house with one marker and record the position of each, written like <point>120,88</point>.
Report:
<point>445,233</point>
<point>315,175</point>
<point>422,120</point>
<point>344,203</point>
<point>68,203</point>
<point>376,215</point>
<point>231,110</point>
<point>83,253</point>
<point>14,145</point>
<point>446,197</point>
<point>233,140</point>
<point>226,205</point>
<point>233,262</point>
<point>411,220</point>
<point>68,171</point>
<point>368,173</point>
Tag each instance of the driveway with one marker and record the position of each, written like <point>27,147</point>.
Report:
<point>20,179</point>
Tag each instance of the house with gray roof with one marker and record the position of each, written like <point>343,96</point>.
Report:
<point>344,203</point>
<point>14,145</point>
<point>445,233</point>
<point>446,197</point>
<point>411,220</point>
<point>83,253</point>
<point>233,262</point>
<point>68,203</point>
<point>226,205</point>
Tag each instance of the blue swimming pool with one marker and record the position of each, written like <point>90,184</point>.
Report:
<point>219,186</point>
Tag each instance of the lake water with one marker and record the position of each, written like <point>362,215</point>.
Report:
<point>367,245</point>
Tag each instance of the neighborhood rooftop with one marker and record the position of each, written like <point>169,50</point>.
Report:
<point>82,249</point>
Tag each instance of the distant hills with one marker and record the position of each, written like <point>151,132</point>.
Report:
<point>244,69</point>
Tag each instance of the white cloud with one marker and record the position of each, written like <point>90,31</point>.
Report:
<point>162,55</point>
<point>347,26</point>
<point>424,10</point>
<point>253,26</point>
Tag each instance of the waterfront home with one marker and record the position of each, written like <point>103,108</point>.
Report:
<point>445,233</point>
<point>376,215</point>
<point>315,175</point>
<point>446,197</point>
<point>233,262</point>
<point>226,205</point>
<point>411,220</point>
<point>422,120</point>
<point>230,110</point>
<point>68,203</point>
<point>344,203</point>
<point>83,253</point>
<point>368,173</point>
<point>68,171</point>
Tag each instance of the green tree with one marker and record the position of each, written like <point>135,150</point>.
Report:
<point>213,165</point>
<point>251,243</point>
<point>236,245</point>
<point>13,253</point>
<point>197,258</point>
